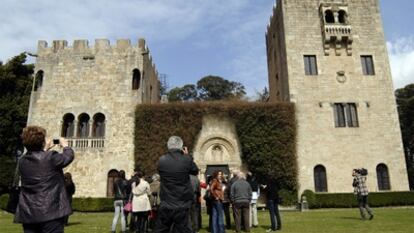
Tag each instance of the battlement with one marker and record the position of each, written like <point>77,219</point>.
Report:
<point>81,46</point>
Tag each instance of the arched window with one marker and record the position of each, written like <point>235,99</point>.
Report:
<point>136,79</point>
<point>68,125</point>
<point>112,177</point>
<point>98,127</point>
<point>319,173</point>
<point>342,16</point>
<point>150,95</point>
<point>83,125</point>
<point>38,80</point>
<point>329,16</point>
<point>383,177</point>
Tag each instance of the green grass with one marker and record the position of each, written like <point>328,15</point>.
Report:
<point>395,220</point>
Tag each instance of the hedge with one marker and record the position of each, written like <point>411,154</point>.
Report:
<point>266,132</point>
<point>347,200</point>
<point>87,204</point>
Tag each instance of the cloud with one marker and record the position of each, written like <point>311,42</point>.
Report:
<point>23,23</point>
<point>401,52</point>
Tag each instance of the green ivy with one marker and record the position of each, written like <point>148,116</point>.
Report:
<point>266,131</point>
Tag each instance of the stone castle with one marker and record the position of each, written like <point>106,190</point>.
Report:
<point>328,57</point>
<point>88,95</point>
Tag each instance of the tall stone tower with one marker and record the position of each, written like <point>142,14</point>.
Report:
<point>88,95</point>
<point>329,57</point>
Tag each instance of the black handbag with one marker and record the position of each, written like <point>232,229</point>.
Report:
<point>14,192</point>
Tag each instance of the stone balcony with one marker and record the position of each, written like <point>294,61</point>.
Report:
<point>339,35</point>
<point>337,30</point>
<point>86,142</point>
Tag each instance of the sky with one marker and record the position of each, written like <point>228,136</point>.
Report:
<point>188,39</point>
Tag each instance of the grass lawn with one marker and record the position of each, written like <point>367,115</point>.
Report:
<point>393,220</point>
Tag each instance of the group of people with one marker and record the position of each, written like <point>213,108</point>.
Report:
<point>241,192</point>
<point>173,198</point>
<point>142,196</point>
<point>170,202</point>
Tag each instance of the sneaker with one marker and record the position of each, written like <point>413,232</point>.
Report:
<point>270,230</point>
<point>371,217</point>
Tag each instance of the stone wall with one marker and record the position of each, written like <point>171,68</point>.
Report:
<point>94,79</point>
<point>377,139</point>
<point>217,144</point>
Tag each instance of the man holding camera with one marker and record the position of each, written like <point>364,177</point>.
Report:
<point>361,190</point>
<point>176,192</point>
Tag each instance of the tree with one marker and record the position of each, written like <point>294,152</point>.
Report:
<point>186,93</point>
<point>405,103</point>
<point>263,96</point>
<point>15,86</point>
<point>218,88</point>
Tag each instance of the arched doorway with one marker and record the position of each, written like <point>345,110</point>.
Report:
<point>112,177</point>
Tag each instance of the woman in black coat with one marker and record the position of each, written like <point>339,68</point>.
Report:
<point>70,190</point>
<point>43,201</point>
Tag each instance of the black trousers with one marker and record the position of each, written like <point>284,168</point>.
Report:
<point>226,208</point>
<point>194,217</point>
<point>141,220</point>
<point>242,214</point>
<point>52,226</point>
<point>175,219</point>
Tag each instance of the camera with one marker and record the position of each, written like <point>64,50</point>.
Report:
<point>56,141</point>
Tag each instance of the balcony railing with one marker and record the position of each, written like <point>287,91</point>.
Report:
<point>338,30</point>
<point>86,142</point>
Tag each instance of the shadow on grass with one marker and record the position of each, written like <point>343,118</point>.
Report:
<point>351,218</point>
<point>73,224</point>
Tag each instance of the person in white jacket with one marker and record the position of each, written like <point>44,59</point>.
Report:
<point>140,203</point>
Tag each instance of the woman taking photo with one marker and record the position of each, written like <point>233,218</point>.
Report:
<point>43,202</point>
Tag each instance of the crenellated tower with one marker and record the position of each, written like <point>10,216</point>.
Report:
<point>88,95</point>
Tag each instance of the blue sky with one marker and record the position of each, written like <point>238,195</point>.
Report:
<point>188,39</point>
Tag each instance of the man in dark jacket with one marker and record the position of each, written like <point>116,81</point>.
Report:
<point>241,195</point>
<point>176,192</point>
<point>43,201</point>
<point>272,194</point>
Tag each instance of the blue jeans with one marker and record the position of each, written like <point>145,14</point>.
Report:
<point>119,210</point>
<point>273,207</point>
<point>217,215</point>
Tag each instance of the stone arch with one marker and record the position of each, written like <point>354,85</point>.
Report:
<point>136,79</point>
<point>383,177</point>
<point>83,125</point>
<point>68,125</point>
<point>320,178</point>
<point>98,126</point>
<point>113,175</point>
<point>342,17</point>
<point>217,145</point>
<point>217,150</point>
<point>329,16</point>
<point>38,80</point>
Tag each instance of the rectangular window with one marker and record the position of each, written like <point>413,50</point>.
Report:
<point>367,65</point>
<point>352,115</point>
<point>345,114</point>
<point>339,114</point>
<point>310,65</point>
